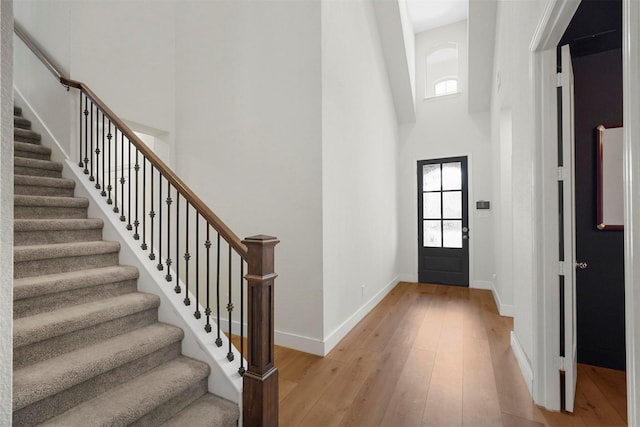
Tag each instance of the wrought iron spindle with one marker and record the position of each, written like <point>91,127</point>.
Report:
<point>86,136</point>
<point>144,204</point>
<point>187,255</point>
<point>129,226</point>
<point>109,187</point>
<point>160,267</point>
<point>90,156</point>
<point>168,261</point>
<point>197,313</point>
<point>177,268</point>
<point>207,310</point>
<point>241,369</point>
<point>98,186</point>
<point>218,339</point>
<point>152,215</point>
<point>115,170</point>
<point>103,193</point>
<point>230,309</point>
<point>136,223</point>
<point>85,128</point>
<point>122,180</point>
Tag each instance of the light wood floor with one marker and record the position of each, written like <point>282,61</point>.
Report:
<point>433,356</point>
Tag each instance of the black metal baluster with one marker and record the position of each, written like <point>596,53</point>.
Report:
<point>82,112</point>
<point>136,223</point>
<point>230,310</point>
<point>207,310</point>
<point>90,156</point>
<point>241,369</point>
<point>187,255</point>
<point>103,193</point>
<point>144,204</point>
<point>86,136</point>
<point>122,179</point>
<point>218,339</point>
<point>109,187</point>
<point>168,261</point>
<point>129,226</point>
<point>197,313</point>
<point>152,215</point>
<point>98,186</point>
<point>177,287</point>
<point>160,267</point>
<point>115,169</point>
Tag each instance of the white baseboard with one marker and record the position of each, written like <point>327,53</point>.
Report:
<point>504,309</point>
<point>482,284</point>
<point>406,277</point>
<point>523,362</point>
<point>341,331</point>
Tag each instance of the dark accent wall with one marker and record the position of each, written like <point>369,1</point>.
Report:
<point>600,287</point>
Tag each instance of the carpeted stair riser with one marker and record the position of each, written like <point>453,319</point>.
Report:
<point>39,207</point>
<point>31,151</point>
<point>43,186</point>
<point>55,301</point>
<point>21,122</point>
<point>26,135</point>
<point>40,294</point>
<point>40,351</point>
<point>35,167</point>
<point>58,403</point>
<point>33,232</point>
<point>207,411</point>
<point>41,266</point>
<point>145,400</point>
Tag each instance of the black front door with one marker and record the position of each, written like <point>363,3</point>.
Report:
<point>443,228</point>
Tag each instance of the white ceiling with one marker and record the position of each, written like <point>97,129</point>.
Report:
<point>428,14</point>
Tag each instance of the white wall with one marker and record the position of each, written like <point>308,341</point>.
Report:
<point>6,212</point>
<point>359,158</point>
<point>248,132</point>
<point>444,128</point>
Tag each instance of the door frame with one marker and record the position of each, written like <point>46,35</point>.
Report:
<point>473,284</point>
<point>555,19</point>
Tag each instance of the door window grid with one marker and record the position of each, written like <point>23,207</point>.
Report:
<point>442,205</point>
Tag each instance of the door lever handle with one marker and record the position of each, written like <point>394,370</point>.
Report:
<point>581,265</point>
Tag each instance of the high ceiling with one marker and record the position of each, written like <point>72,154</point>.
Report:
<point>428,14</point>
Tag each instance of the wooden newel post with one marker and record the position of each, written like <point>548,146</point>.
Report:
<point>260,394</point>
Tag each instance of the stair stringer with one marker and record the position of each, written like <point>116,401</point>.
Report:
<point>224,380</point>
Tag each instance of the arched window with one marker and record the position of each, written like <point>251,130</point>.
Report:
<point>442,71</point>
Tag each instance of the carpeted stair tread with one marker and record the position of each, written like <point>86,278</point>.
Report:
<point>21,122</point>
<point>57,224</point>
<point>43,186</point>
<point>28,330</point>
<point>26,150</point>
<point>133,400</point>
<point>49,231</point>
<point>26,135</point>
<point>207,411</point>
<point>30,287</point>
<point>28,166</point>
<point>51,376</point>
<point>53,201</point>
<point>63,250</point>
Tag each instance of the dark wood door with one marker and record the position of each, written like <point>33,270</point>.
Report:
<point>443,228</point>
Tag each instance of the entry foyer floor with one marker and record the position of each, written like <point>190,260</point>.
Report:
<point>433,356</point>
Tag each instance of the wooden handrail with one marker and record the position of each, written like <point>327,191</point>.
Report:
<point>202,208</point>
<point>168,174</point>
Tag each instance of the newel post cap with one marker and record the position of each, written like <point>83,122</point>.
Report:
<point>261,240</point>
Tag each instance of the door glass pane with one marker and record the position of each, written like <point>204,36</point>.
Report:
<point>431,205</point>
<point>452,234</point>
<point>431,178</point>
<point>432,234</point>
<point>452,204</point>
<point>452,176</point>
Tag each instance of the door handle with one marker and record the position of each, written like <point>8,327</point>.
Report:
<point>581,265</point>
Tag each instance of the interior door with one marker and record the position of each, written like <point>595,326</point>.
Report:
<point>566,198</point>
<point>443,228</point>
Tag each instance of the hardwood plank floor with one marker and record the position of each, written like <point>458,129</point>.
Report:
<point>431,355</point>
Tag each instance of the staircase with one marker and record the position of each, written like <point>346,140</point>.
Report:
<point>88,348</point>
